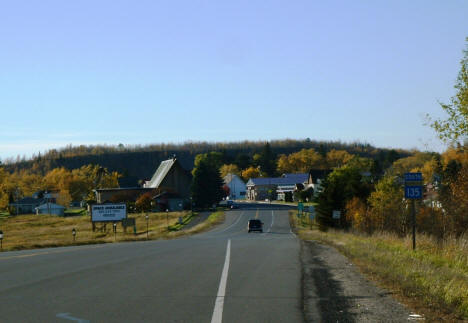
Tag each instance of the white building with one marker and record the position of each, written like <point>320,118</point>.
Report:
<point>50,208</point>
<point>236,186</point>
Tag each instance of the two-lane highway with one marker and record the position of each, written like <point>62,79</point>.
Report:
<point>226,275</point>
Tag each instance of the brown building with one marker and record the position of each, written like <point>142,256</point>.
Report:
<point>170,181</point>
<point>171,177</point>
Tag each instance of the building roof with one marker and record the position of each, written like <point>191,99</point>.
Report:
<point>297,178</point>
<point>160,173</point>
<point>29,201</point>
<point>121,189</point>
<point>284,180</point>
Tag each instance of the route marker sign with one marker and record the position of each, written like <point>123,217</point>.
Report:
<point>413,185</point>
<point>413,191</point>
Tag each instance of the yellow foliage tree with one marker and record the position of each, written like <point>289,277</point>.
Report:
<point>357,215</point>
<point>251,172</point>
<point>300,162</point>
<point>337,158</point>
<point>229,169</point>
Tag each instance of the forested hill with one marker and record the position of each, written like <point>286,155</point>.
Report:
<point>140,162</point>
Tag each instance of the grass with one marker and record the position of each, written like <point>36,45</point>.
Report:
<point>435,275</point>
<point>75,212</point>
<point>295,203</point>
<point>42,231</point>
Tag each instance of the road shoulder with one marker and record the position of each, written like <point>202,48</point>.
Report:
<point>335,291</point>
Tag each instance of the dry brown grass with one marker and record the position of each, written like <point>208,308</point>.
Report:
<point>434,276</point>
<point>42,231</point>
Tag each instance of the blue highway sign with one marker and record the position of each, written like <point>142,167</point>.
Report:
<point>413,192</point>
<point>413,177</point>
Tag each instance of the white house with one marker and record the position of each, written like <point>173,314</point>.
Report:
<point>236,186</point>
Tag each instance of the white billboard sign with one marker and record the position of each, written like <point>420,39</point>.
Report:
<point>108,212</point>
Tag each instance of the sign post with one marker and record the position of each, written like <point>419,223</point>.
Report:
<point>413,191</point>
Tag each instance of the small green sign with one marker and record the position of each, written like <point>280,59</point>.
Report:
<point>300,206</point>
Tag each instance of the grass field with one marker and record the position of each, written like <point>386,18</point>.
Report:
<point>434,278</point>
<point>41,231</point>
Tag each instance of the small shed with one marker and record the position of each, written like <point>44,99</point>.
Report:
<point>50,208</point>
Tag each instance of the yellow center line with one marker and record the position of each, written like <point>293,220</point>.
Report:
<point>256,214</point>
<point>48,253</point>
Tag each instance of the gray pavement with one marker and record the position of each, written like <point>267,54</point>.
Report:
<point>162,281</point>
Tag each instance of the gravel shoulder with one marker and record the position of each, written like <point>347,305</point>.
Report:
<point>335,291</point>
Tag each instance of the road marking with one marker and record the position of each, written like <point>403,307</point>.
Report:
<point>219,303</point>
<point>256,214</point>
<point>272,220</point>
<point>67,316</point>
<point>49,252</point>
<point>240,216</point>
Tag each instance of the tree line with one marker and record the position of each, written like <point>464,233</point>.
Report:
<point>136,163</point>
<point>72,185</point>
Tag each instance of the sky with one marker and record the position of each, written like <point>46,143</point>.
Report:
<point>142,72</point>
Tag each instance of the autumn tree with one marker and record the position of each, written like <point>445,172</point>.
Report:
<point>455,127</point>
<point>337,158</point>
<point>251,172</point>
<point>143,203</point>
<point>229,169</point>
<point>300,162</point>
<point>387,206</point>
<point>339,187</point>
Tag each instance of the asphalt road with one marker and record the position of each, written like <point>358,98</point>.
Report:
<point>225,275</point>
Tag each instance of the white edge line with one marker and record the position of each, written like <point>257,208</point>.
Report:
<point>240,216</point>
<point>219,303</point>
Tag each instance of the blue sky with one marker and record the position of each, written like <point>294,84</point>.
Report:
<point>139,72</point>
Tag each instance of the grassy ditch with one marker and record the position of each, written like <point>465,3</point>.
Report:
<point>42,231</point>
<point>432,278</point>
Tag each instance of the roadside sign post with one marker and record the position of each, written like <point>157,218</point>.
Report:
<point>311,215</point>
<point>413,191</point>
<point>74,234</point>
<point>167,218</point>
<point>147,218</point>
<point>1,240</point>
<point>300,208</point>
<point>115,231</point>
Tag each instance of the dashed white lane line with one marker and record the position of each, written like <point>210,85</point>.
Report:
<point>219,303</point>
<point>272,220</point>
<point>67,316</point>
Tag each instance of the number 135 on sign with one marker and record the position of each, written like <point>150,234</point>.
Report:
<point>413,192</point>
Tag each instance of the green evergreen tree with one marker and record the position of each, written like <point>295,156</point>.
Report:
<point>267,161</point>
<point>207,184</point>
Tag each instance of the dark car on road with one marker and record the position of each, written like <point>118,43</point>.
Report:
<point>255,225</point>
